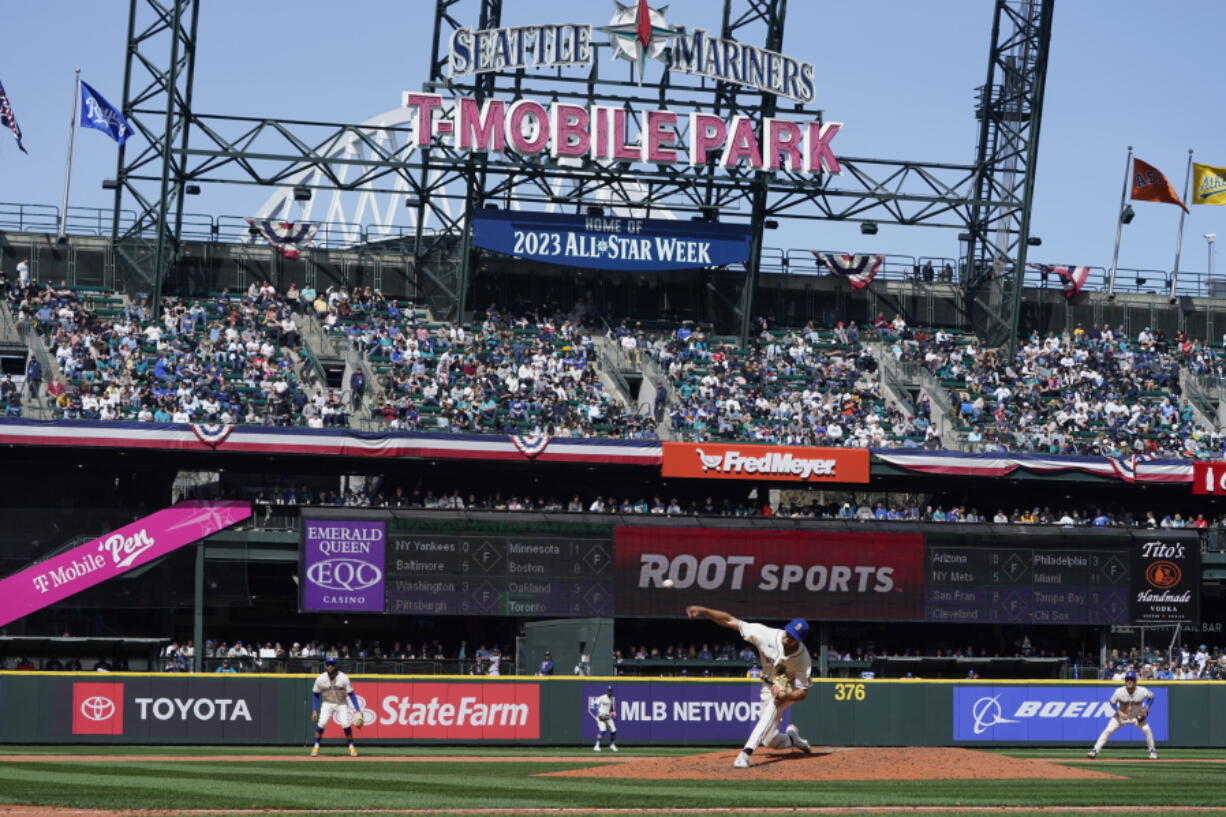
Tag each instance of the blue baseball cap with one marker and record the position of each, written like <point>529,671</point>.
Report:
<point>1130,676</point>
<point>797,628</point>
<point>329,660</point>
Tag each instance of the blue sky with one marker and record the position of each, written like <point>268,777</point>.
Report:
<point>900,75</point>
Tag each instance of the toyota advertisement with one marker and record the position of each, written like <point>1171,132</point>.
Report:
<point>1045,714</point>
<point>343,565</point>
<point>678,712</point>
<point>770,574</point>
<point>160,709</point>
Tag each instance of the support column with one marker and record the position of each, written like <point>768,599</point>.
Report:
<point>823,650</point>
<point>198,612</point>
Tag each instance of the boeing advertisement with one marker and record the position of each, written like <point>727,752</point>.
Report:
<point>1035,714</point>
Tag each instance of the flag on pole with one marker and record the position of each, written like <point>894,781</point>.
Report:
<point>1148,184</point>
<point>286,237</point>
<point>97,113</point>
<point>8,120</point>
<point>1074,277</point>
<point>1208,184</point>
<point>859,270</point>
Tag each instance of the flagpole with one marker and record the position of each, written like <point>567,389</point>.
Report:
<point>1183,212</point>
<point>1119,224</point>
<point>72,130</point>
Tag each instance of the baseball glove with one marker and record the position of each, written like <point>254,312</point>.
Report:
<point>1131,713</point>
<point>359,720</point>
<point>780,684</point>
<point>603,717</point>
<point>1141,717</point>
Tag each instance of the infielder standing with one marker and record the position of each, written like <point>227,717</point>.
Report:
<point>786,670</point>
<point>605,710</point>
<point>333,687</point>
<point>1131,704</point>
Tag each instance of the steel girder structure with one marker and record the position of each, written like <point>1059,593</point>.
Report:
<point>1010,112</point>
<point>157,100</point>
<point>968,198</point>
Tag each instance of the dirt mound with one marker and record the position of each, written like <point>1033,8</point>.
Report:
<point>927,763</point>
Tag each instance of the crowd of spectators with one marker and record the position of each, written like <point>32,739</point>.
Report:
<point>230,359</point>
<point>530,371</point>
<point>808,387</point>
<point>878,510</point>
<point>235,358</point>
<point>1093,391</point>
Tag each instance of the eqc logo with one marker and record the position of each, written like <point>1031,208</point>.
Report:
<point>97,709</point>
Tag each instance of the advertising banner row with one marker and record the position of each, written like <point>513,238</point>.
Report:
<point>188,709</point>
<point>354,565</point>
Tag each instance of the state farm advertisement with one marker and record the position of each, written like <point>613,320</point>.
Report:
<point>447,711</point>
<point>764,574</point>
<point>783,463</point>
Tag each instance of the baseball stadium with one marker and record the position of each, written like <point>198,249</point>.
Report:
<point>530,448</point>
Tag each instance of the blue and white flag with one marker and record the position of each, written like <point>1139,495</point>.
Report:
<point>8,120</point>
<point>96,112</point>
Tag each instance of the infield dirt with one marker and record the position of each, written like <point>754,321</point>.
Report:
<point>927,763</point>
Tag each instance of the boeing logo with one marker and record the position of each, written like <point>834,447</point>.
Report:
<point>987,713</point>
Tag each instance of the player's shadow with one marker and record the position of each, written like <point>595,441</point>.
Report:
<point>786,757</point>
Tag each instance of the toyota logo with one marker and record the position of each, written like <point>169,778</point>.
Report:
<point>97,708</point>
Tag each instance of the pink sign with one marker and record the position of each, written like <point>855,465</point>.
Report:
<point>117,552</point>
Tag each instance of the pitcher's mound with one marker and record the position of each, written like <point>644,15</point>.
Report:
<point>920,763</point>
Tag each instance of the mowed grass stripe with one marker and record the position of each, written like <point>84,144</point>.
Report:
<point>135,785</point>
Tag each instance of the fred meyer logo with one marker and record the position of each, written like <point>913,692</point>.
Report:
<point>452,711</point>
<point>765,462</point>
<point>1044,714</point>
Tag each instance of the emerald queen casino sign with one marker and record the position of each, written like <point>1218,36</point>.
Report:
<point>636,33</point>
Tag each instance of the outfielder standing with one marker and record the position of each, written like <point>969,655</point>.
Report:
<point>786,670</point>
<point>1131,704</point>
<point>605,710</point>
<point>333,687</point>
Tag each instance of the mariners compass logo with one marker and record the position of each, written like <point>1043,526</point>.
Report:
<point>638,31</point>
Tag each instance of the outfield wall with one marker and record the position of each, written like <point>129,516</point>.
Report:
<point>131,708</point>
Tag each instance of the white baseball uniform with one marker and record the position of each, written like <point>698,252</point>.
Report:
<point>602,706</point>
<point>1128,704</point>
<point>333,692</point>
<point>798,667</point>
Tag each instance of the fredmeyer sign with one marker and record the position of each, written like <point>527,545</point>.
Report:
<point>637,33</point>
<point>610,242</point>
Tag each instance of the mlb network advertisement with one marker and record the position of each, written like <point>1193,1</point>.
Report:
<point>1076,714</point>
<point>774,573</point>
<point>678,712</point>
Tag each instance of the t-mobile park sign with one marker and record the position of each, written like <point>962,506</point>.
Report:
<point>117,552</point>
<point>562,130</point>
<point>343,565</point>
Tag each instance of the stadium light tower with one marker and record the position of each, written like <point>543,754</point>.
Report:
<point>1209,239</point>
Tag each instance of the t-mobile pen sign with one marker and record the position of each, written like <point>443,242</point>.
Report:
<point>343,565</point>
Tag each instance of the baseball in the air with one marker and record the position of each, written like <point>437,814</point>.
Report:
<point>668,584</point>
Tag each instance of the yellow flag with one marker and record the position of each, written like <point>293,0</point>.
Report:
<point>1208,184</point>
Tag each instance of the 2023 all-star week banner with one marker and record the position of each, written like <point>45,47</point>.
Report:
<point>610,242</point>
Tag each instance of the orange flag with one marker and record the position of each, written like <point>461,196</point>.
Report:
<point>1148,184</point>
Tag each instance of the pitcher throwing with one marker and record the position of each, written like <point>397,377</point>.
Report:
<point>786,671</point>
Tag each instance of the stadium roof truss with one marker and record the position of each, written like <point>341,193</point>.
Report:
<point>987,201</point>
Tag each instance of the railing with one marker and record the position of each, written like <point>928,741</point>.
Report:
<point>372,666</point>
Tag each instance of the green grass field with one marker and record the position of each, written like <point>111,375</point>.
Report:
<point>155,786</point>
